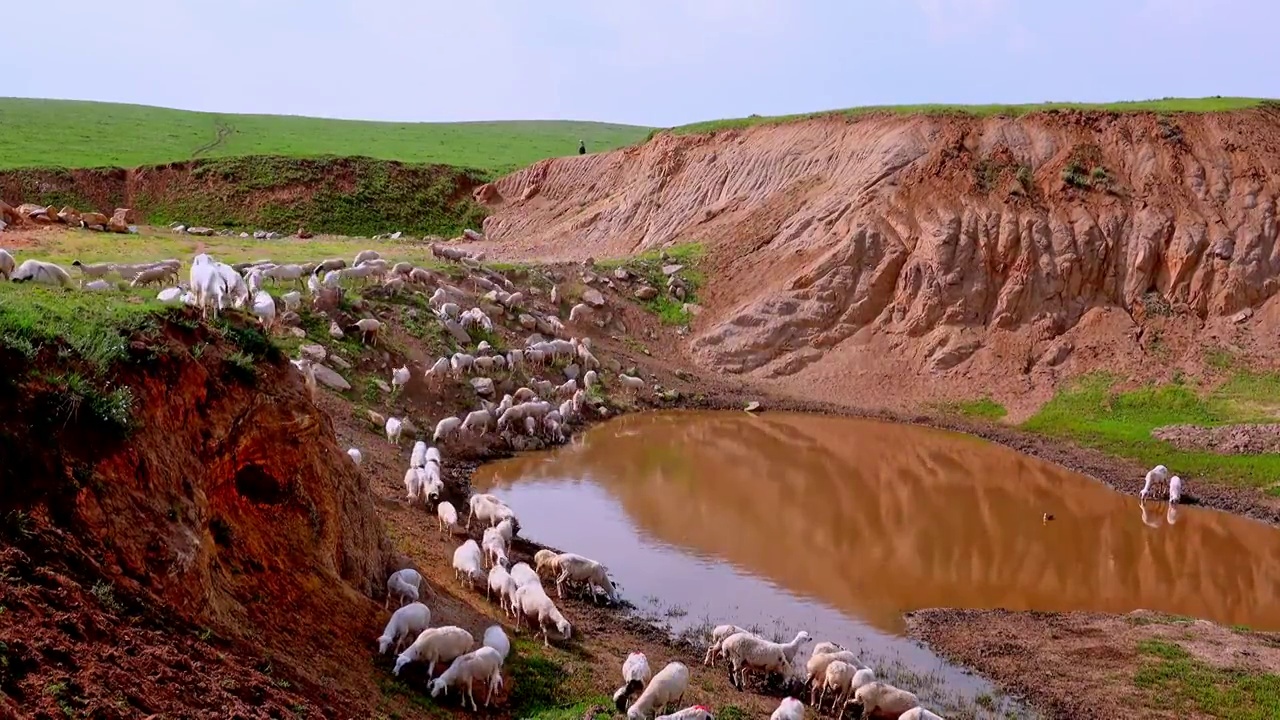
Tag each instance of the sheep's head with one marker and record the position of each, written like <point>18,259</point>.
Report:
<point>384,642</point>
<point>401,661</point>
<point>563,627</point>
<point>437,687</point>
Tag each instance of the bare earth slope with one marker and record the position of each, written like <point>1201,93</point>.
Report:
<point>1004,252</point>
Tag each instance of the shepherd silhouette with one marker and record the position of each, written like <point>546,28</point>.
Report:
<point>582,147</point>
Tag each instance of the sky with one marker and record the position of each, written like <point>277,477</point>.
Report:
<point>657,62</point>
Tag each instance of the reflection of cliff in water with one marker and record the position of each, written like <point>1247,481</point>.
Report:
<point>878,519</point>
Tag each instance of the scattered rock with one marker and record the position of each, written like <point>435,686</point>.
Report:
<point>531,192</point>
<point>93,218</point>
<point>202,231</point>
<point>313,352</point>
<point>259,234</point>
<point>335,332</point>
<point>455,329</point>
<point>692,309</point>
<point>621,274</point>
<point>472,235</point>
<point>646,293</point>
<point>126,215</point>
<point>752,406</point>
<point>338,361</point>
<point>298,332</point>
<point>244,234</point>
<point>487,194</point>
<point>328,377</point>
<point>1243,315</point>
<point>3,225</point>
<point>395,235</point>
<point>483,386</point>
<point>382,385</point>
<point>612,365</point>
<point>291,319</point>
<point>119,222</point>
<point>527,321</point>
<point>593,297</point>
<point>272,235</point>
<point>69,215</point>
<point>671,269</point>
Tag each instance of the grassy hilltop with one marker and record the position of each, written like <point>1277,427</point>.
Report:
<point>78,134</point>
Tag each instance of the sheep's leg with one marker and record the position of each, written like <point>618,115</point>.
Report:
<point>564,575</point>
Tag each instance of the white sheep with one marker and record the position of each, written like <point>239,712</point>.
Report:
<point>393,428</point>
<point>481,419</point>
<point>366,255</point>
<point>496,638</point>
<point>751,652</point>
<point>355,455</point>
<point>489,509</point>
<point>415,484</point>
<point>446,516</point>
<point>439,369</point>
<point>399,377</point>
<point>579,312</point>
<point>292,300</point>
<point>97,285</point>
<point>468,563</point>
<point>446,427</point>
<point>826,647</point>
<point>635,673</point>
<point>435,645</point>
<point>208,286</point>
<point>666,689</point>
<point>405,623</point>
<point>418,456</point>
<point>7,264</point>
<point>369,328</point>
<point>494,547</point>
<point>264,306</point>
<point>838,679</point>
<point>816,666</point>
<point>484,664</point>
<point>38,271</point>
<point>284,272</point>
<point>460,363</point>
<point>789,709</point>
<point>154,275</point>
<point>1175,489</point>
<point>694,712</point>
<point>531,601</point>
<point>590,379</point>
<point>883,699</point>
<point>919,713</point>
<point>403,583</point>
<point>718,635</point>
<point>501,582</point>
<point>577,568</point>
<point>631,382</point>
<point>1158,473</point>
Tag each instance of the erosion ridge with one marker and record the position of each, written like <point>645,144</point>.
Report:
<point>219,517</point>
<point>1009,252</point>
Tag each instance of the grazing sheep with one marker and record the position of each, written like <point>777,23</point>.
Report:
<point>481,419</point>
<point>694,712</point>
<point>399,377</point>
<point>402,268</point>
<point>449,310</point>
<point>446,516</point>
<point>666,689</point>
<point>883,699</point>
<point>155,275</point>
<point>284,272</point>
<point>718,634</point>
<point>7,264</point>
<point>579,312</point>
<point>1158,473</point>
<point>789,709</point>
<point>577,568</point>
<point>751,652</point>
<point>495,547</point>
<point>97,272</point>
<point>418,456</point>
<point>405,623</point>
<point>635,673</point>
<point>364,255</point>
<point>468,563</point>
<point>630,382</point>
<point>356,457</point>
<point>440,368</point>
<point>264,306</point>
<point>415,483</point>
<point>489,510</point>
<point>496,638</point>
<point>501,582</point>
<point>825,647</point>
<point>329,265</point>
<point>461,362</point>
<point>435,645</point>
<point>208,287</point>
<point>97,285</point>
<point>838,679</point>
<point>292,300</point>
<point>1175,490</point>
<point>816,666</point>
<point>919,713</point>
<point>45,273</point>
<point>446,427</point>
<point>524,575</point>
<point>590,380</point>
<point>532,602</point>
<point>484,664</point>
<point>403,583</point>
<point>368,328</point>
<point>393,428</point>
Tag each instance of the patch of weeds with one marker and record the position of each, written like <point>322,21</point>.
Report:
<point>1074,175</point>
<point>1092,413</point>
<point>537,684</point>
<point>983,408</point>
<point>1191,684</point>
<point>110,408</point>
<point>675,611</point>
<point>1220,359</point>
<point>61,695</point>
<point>240,364</point>
<point>250,339</point>
<point>1169,129</point>
<point>94,327</point>
<point>732,712</point>
<point>589,709</point>
<point>204,634</point>
<point>479,335</point>
<point>986,174</point>
<point>1026,179</point>
<point>1099,177</point>
<point>370,394</point>
<point>18,524</point>
<point>106,596</point>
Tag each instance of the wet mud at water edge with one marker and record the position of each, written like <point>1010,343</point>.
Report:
<point>838,526</point>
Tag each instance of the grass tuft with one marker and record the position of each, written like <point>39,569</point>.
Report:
<point>648,265</point>
<point>983,408</point>
<point>95,327</point>
<point>1184,683</point>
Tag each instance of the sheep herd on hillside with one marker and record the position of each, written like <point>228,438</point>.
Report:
<point>834,677</point>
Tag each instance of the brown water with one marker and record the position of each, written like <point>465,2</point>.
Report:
<point>841,525</point>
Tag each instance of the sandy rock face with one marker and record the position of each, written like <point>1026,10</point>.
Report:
<point>945,239</point>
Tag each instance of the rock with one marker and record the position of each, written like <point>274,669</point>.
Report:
<point>472,235</point>
<point>527,321</point>
<point>259,234</point>
<point>646,293</point>
<point>671,269</point>
<point>298,332</point>
<point>593,297</point>
<point>678,292</point>
<point>3,225</point>
<point>313,352</point>
<point>244,234</point>
<point>335,332</point>
<point>455,329</point>
<point>555,294</point>
<point>69,215</point>
<point>202,231</point>
<point>752,406</point>
<point>126,215</point>
<point>272,236</point>
<point>692,309</point>
<point>621,274</point>
<point>382,385</point>
<point>487,194</point>
<point>613,365</point>
<point>1243,315</point>
<point>93,218</point>
<point>328,377</point>
<point>291,319</point>
<point>531,192</point>
<point>483,386</point>
<point>534,339</point>
<point>338,361</point>
<point>590,262</point>
<point>96,228</point>
<point>572,371</point>
<point>119,221</point>
<point>304,234</point>
<point>1057,354</point>
<point>395,235</point>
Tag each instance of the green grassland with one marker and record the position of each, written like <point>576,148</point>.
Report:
<point>1165,105</point>
<point>71,133</point>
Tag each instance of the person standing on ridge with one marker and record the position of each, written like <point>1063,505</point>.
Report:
<point>582,147</point>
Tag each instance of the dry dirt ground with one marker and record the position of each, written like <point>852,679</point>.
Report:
<point>1082,665</point>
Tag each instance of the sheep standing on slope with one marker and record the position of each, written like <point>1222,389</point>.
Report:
<point>749,652</point>
<point>355,455</point>
<point>500,582</point>
<point>883,699</point>
<point>1175,490</point>
<point>446,427</point>
<point>577,568</point>
<point>694,712</point>
<point>447,516</point>
<point>1158,473</point>
<point>7,264</point>
<point>405,623</point>
<point>435,645</point>
<point>483,664</point>
<point>718,635</point>
<point>495,638</point>
<point>403,584</point>
<point>494,547</point>
<point>635,673</point>
<point>468,563</point>
<point>393,428</point>
<point>789,709</point>
<point>532,602</point>
<point>399,378</point>
<point>666,689</point>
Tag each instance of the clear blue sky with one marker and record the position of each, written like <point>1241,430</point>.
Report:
<point>656,62</point>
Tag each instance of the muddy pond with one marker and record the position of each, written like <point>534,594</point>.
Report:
<point>838,526</point>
